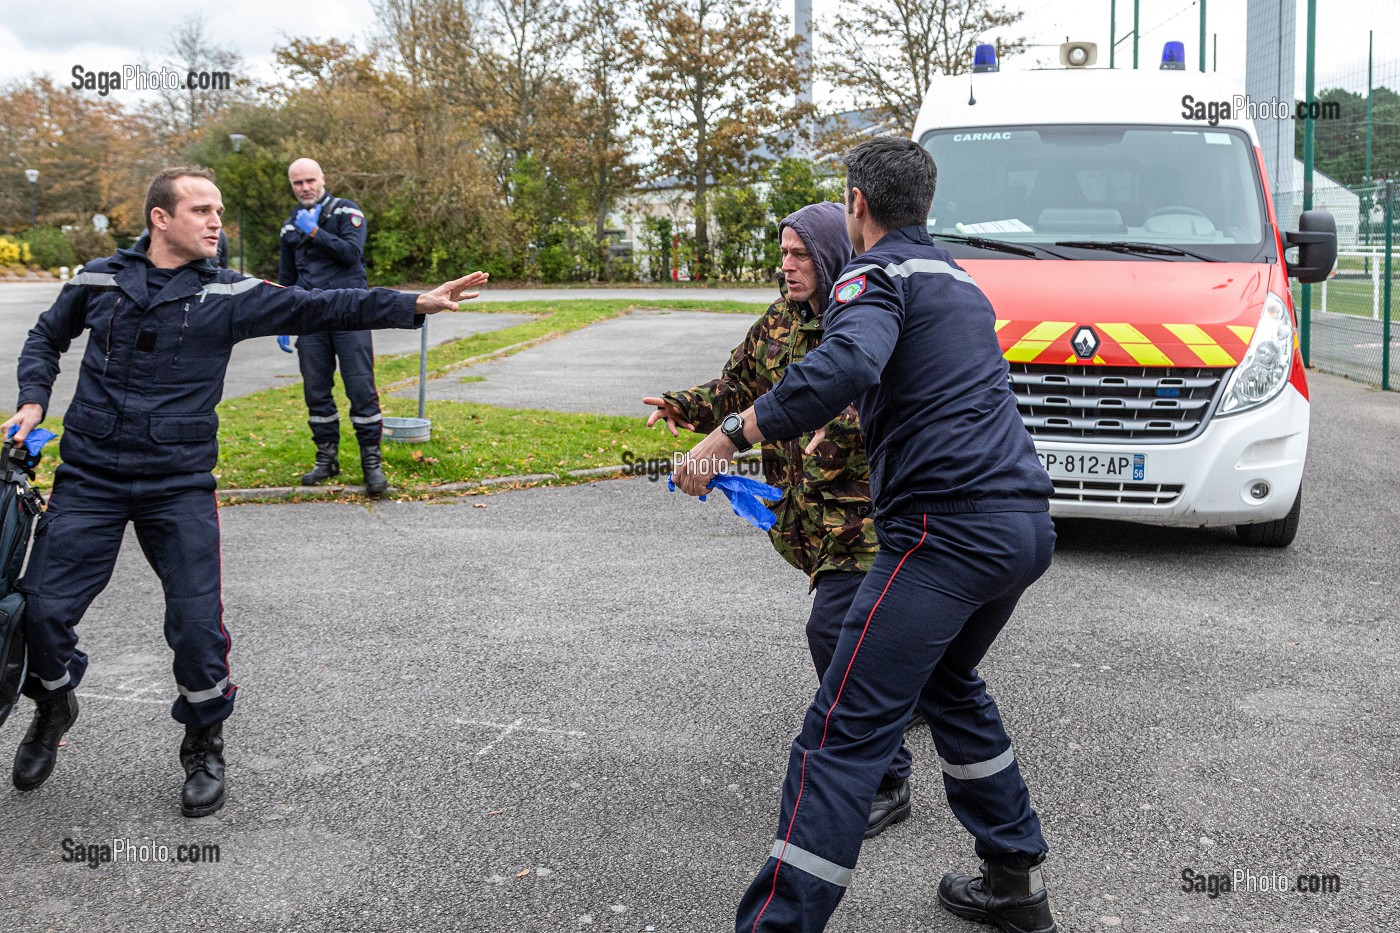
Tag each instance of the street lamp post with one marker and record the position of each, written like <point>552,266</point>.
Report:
<point>33,175</point>
<point>238,139</point>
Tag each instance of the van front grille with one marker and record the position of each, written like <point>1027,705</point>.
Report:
<point>1115,404</point>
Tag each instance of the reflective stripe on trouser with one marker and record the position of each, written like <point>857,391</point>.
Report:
<point>835,591</point>
<point>940,590</point>
<point>317,355</point>
<point>75,548</point>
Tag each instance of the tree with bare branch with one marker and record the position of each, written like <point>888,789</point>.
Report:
<point>885,52</point>
<point>720,84</point>
<point>180,112</point>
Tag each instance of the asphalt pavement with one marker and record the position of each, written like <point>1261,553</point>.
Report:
<point>606,368</point>
<point>569,709</point>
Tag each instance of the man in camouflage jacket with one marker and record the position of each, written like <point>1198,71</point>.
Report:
<point>824,527</point>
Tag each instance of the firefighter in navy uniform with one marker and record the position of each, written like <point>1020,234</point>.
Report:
<point>139,442</point>
<point>323,246</point>
<point>962,515</point>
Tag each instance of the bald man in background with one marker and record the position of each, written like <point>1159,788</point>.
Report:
<point>323,246</point>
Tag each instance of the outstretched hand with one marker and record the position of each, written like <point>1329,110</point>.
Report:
<point>446,296</point>
<point>672,414</point>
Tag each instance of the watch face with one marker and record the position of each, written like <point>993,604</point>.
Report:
<point>731,424</point>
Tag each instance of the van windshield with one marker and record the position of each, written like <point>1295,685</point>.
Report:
<point>1195,189</point>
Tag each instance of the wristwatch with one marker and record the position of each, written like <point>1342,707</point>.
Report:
<point>732,427</point>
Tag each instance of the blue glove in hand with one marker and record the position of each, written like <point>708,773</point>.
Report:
<point>306,220</point>
<point>285,343</point>
<point>671,485</point>
<point>744,495</point>
<point>35,440</point>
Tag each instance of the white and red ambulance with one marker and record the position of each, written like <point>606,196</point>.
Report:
<point>1121,224</point>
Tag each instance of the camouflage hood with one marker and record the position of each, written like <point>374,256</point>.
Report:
<point>822,227</point>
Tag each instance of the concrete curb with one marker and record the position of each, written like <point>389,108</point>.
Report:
<point>599,471</point>
<point>288,492</point>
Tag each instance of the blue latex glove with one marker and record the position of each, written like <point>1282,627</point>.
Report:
<point>744,496</point>
<point>36,439</point>
<point>306,220</point>
<point>285,343</point>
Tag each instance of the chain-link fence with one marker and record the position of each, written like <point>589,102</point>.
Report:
<point>1353,119</point>
<point>1351,316</point>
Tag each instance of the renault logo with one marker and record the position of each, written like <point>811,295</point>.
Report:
<point>1085,343</point>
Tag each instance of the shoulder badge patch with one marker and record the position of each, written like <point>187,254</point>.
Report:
<point>849,291</point>
<point>356,219</point>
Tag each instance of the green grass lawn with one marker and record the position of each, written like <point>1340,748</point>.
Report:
<point>265,443</point>
<point>264,440</point>
<point>1349,296</point>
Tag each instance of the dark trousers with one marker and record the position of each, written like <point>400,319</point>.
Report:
<point>940,591</point>
<point>75,548</point>
<point>831,601</point>
<point>317,355</point>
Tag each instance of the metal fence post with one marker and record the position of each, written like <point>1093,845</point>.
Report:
<point>1375,287</point>
<point>1385,320</point>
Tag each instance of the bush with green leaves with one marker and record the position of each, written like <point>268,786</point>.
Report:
<point>740,220</point>
<point>50,248</point>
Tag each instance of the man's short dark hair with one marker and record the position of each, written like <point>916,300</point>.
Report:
<point>897,177</point>
<point>161,194</point>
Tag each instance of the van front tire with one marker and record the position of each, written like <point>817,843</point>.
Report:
<point>1278,533</point>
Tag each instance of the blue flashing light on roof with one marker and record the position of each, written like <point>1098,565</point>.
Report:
<point>984,59</point>
<point>1174,56</point>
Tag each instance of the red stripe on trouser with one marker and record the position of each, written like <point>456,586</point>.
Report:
<point>802,783</point>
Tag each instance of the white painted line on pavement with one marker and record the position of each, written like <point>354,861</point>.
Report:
<point>512,727</point>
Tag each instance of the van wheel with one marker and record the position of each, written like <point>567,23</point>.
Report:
<point>1278,533</point>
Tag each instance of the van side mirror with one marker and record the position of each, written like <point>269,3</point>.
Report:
<point>1316,239</point>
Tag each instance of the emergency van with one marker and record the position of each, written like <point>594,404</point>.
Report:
<point>1129,246</point>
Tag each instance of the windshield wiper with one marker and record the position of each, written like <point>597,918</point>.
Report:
<point>1144,249</point>
<point>1000,246</point>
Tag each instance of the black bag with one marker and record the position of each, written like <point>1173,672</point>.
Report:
<point>20,504</point>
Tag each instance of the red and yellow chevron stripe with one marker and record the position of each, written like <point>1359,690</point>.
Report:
<point>1121,344</point>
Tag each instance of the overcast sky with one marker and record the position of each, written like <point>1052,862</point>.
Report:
<point>33,38</point>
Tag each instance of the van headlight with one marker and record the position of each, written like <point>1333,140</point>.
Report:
<point>1267,363</point>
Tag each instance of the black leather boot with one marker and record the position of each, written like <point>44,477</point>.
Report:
<point>35,758</point>
<point>327,465</point>
<point>202,754</point>
<point>372,463</point>
<point>891,806</point>
<point>1013,900</point>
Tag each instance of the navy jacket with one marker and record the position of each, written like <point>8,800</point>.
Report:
<point>912,339</point>
<point>154,367</point>
<point>334,257</point>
